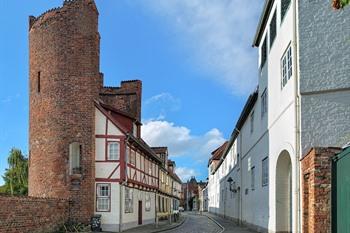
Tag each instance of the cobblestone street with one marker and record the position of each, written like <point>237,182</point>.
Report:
<point>196,224</point>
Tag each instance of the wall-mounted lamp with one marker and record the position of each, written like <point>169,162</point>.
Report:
<point>233,187</point>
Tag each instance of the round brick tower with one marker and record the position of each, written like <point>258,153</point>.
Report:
<point>64,81</point>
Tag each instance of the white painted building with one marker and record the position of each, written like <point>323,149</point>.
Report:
<point>302,100</point>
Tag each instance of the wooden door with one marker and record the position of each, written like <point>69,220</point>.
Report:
<point>140,212</point>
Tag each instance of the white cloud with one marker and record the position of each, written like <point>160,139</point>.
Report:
<point>180,141</point>
<point>218,35</point>
<point>161,104</point>
<point>185,173</point>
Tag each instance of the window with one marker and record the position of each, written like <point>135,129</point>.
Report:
<point>132,157</point>
<point>265,171</point>
<point>284,8</point>
<point>113,150</point>
<point>38,82</point>
<point>252,182</point>
<point>264,103</point>
<point>263,52</point>
<point>252,122</point>
<point>128,200</point>
<point>150,167</point>
<point>103,198</point>
<point>74,158</point>
<point>286,66</point>
<point>148,202</point>
<point>146,165</point>
<point>273,29</point>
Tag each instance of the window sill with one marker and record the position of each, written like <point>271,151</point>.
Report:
<point>76,177</point>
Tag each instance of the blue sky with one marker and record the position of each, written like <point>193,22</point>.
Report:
<point>194,57</point>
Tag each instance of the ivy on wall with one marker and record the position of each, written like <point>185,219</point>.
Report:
<point>338,4</point>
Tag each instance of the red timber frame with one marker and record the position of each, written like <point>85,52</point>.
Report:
<point>144,175</point>
<point>123,140</point>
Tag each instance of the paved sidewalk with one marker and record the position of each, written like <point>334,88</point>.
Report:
<point>230,226</point>
<point>151,228</point>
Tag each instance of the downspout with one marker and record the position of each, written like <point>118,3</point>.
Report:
<point>297,117</point>
<point>121,207</point>
<point>241,179</point>
<point>121,185</point>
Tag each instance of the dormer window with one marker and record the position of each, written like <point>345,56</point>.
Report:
<point>74,158</point>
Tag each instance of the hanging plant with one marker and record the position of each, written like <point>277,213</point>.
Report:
<point>338,4</point>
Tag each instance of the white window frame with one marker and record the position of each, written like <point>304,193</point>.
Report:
<point>265,171</point>
<point>264,103</point>
<point>252,181</point>
<point>129,200</point>
<point>286,66</point>
<point>74,158</point>
<point>132,157</point>
<point>103,197</point>
<point>113,153</point>
<point>148,202</point>
<point>252,122</point>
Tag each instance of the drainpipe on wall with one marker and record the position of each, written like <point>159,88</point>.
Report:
<point>241,179</point>
<point>120,207</point>
<point>297,117</point>
<point>121,187</point>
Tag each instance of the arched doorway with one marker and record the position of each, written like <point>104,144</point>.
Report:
<point>284,193</point>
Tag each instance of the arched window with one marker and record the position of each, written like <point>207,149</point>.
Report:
<point>74,158</point>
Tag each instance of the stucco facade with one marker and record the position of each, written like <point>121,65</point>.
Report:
<point>302,101</point>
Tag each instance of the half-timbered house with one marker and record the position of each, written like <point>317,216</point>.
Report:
<point>127,171</point>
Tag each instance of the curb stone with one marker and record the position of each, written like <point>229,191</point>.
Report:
<point>171,228</point>
<point>217,223</point>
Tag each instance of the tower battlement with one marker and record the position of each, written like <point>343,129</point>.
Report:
<point>58,12</point>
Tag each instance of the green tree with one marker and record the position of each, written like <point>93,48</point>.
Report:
<point>16,176</point>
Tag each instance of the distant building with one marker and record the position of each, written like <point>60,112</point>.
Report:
<point>203,197</point>
<point>191,191</point>
<point>169,192</point>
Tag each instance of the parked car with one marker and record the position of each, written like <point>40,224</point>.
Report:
<point>181,209</point>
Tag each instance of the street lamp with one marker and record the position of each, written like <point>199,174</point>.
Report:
<point>233,187</point>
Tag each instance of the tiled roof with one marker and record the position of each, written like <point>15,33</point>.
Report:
<point>143,145</point>
<point>160,150</point>
<point>117,111</point>
<point>216,154</point>
<point>140,143</point>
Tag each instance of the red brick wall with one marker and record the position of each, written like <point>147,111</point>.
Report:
<point>28,214</point>
<point>64,47</point>
<point>126,98</point>
<point>316,188</point>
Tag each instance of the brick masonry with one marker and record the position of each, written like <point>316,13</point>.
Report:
<point>34,215</point>
<point>316,190</point>
<point>64,82</point>
<point>64,62</point>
